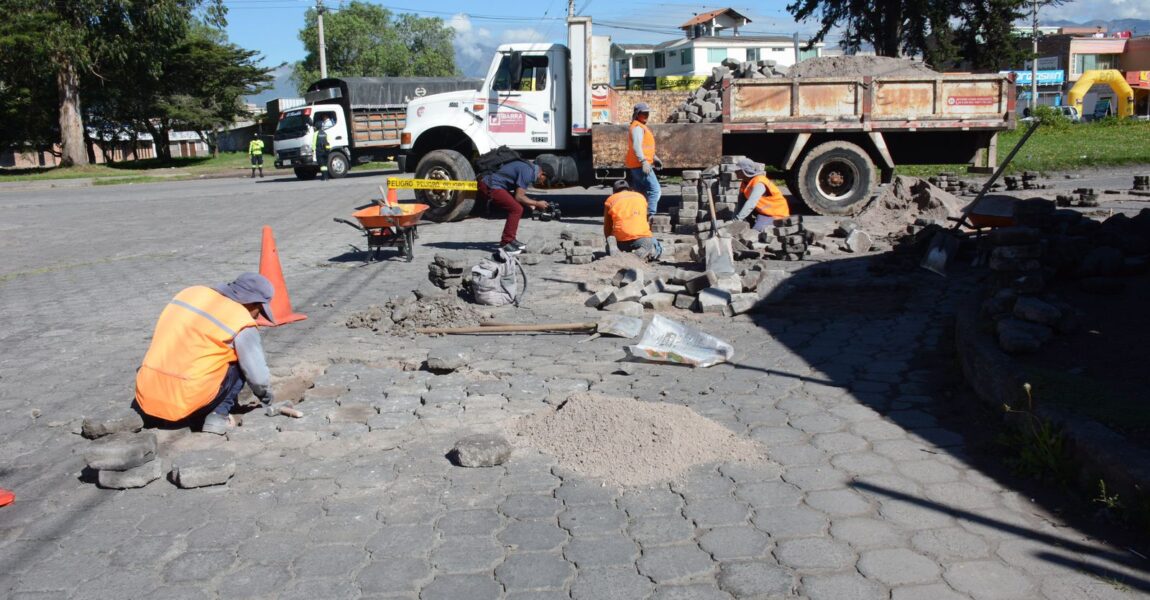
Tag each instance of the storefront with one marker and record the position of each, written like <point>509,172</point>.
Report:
<point>1050,83</point>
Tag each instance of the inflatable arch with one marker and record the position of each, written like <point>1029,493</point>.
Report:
<point>1110,77</point>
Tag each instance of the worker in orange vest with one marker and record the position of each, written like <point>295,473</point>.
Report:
<point>761,195</point>
<point>625,220</point>
<point>641,160</point>
<point>204,349</point>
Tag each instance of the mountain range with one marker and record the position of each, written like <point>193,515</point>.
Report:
<point>1136,26</point>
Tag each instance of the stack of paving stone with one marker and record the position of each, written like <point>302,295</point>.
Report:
<point>1142,183</point>
<point>123,460</point>
<point>787,239</point>
<point>700,291</point>
<point>705,105</point>
<point>580,248</point>
<point>1083,197</point>
<point>721,182</point>
<point>661,224</point>
<point>446,272</point>
<point>947,181</point>
<point>631,291</point>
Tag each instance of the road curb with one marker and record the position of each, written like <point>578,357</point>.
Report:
<point>1096,451</point>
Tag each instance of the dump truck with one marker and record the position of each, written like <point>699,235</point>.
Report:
<point>834,138</point>
<point>366,115</point>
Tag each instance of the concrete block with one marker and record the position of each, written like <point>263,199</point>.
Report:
<point>700,281</point>
<point>581,251</point>
<point>121,451</point>
<point>659,301</point>
<point>598,298</point>
<point>713,300</point>
<point>482,450</point>
<point>446,360</point>
<point>742,303</point>
<point>730,283</point>
<point>630,308</point>
<point>858,241</point>
<point>672,288</point>
<point>581,259</point>
<point>628,276</point>
<point>121,419</point>
<point>203,468</point>
<point>629,292</point>
<point>136,477</point>
<point>685,301</point>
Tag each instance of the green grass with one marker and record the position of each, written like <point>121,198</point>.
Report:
<point>1105,143</point>
<point>1089,397</point>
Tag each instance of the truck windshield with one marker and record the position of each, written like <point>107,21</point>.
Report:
<point>533,75</point>
<point>292,123</point>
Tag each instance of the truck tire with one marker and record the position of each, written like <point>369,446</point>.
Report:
<point>306,173</point>
<point>337,165</point>
<point>836,178</point>
<point>445,205</point>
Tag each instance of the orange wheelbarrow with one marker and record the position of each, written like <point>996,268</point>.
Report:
<point>387,230</point>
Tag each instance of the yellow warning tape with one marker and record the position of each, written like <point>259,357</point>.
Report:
<point>430,184</point>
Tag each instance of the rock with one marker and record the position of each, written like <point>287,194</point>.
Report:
<point>203,468</point>
<point>482,450</point>
<point>598,298</point>
<point>446,360</point>
<point>1101,261</point>
<point>659,301</point>
<point>858,242</point>
<point>132,478</point>
<point>116,420</point>
<point>1017,337</point>
<point>427,292</point>
<point>713,300</point>
<point>628,276</point>
<point>1034,310</point>
<point>121,451</point>
<point>631,308</point>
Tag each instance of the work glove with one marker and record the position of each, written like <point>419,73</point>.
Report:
<point>658,162</point>
<point>646,168</point>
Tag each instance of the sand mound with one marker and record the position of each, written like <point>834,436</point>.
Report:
<point>408,315</point>
<point>858,66</point>
<point>629,442</point>
<point>905,200</point>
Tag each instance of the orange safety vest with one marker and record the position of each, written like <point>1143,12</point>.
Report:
<point>190,353</point>
<point>625,216</point>
<point>772,203</point>
<point>632,161</point>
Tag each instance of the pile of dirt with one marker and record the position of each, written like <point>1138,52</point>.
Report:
<point>904,201</point>
<point>629,442</point>
<point>406,315</point>
<point>858,66</point>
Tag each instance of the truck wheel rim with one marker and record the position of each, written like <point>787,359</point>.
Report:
<point>837,180</point>
<point>438,198</point>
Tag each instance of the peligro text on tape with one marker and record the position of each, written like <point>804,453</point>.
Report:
<point>430,184</point>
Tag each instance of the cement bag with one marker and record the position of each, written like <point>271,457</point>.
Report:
<point>665,340</point>
<point>495,283</point>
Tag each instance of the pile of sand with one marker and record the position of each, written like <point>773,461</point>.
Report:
<point>629,442</point>
<point>405,316</point>
<point>904,201</point>
<point>858,66</point>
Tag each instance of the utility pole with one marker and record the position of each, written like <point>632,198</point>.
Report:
<point>1034,57</point>
<point>319,10</point>
<point>570,8</point>
<point>797,53</point>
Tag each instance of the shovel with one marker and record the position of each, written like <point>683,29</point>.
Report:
<point>944,244</point>
<point>617,325</point>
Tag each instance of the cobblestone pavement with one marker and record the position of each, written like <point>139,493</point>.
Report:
<point>866,495</point>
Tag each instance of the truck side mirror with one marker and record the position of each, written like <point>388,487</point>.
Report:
<point>515,70</point>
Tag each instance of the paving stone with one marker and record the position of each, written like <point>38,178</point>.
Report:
<point>929,471</point>
<point>961,495</point>
<point>531,506</point>
<point>467,554</point>
<point>643,502</point>
<point>791,522</point>
<point>713,300</point>
<point>252,582</point>
<point>136,477</point>
<point>197,566</point>
<point>814,553</point>
<point>756,579</point>
<point>607,551</point>
<point>729,543</point>
<point>669,564</point>
<point>934,591</point>
<point>610,584</point>
<point>988,580</point>
<point>842,586</point>
<point>865,532</point>
<point>838,503</point>
<point>401,540</point>
<point>393,575</point>
<point>533,535</point>
<point>661,530</point>
<point>454,587</point>
<point>701,591</point>
<point>203,468</point>
<point>120,419</point>
<point>913,515</point>
<point>751,471</point>
<point>716,512</point>
<point>469,522</point>
<point>897,566</point>
<point>798,454</point>
<point>446,360</point>
<point>769,494</point>
<point>816,477</point>
<point>592,520</point>
<point>534,571</point>
<point>121,451</point>
<point>481,450</point>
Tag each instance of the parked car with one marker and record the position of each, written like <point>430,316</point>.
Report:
<point>1069,112</point>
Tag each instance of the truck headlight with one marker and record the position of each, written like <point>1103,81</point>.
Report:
<point>306,149</point>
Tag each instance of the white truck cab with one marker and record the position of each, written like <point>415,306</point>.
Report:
<point>294,137</point>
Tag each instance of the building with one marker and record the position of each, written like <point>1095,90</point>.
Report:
<point>685,62</point>
<point>1074,51</point>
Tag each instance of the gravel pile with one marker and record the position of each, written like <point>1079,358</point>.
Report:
<point>406,314</point>
<point>905,202</point>
<point>628,442</point>
<point>859,66</point>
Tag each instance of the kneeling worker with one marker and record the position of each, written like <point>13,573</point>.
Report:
<point>761,195</point>
<point>204,349</point>
<point>625,219</point>
<point>506,188</point>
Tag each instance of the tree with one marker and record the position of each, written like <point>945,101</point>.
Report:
<point>366,40</point>
<point>81,37</point>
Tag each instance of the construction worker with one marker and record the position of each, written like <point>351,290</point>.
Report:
<point>322,145</point>
<point>256,153</point>
<point>204,349</point>
<point>506,188</point>
<point>760,195</point>
<point>641,160</point>
<point>625,220</point>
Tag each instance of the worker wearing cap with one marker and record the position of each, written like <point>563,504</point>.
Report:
<point>322,146</point>
<point>204,349</point>
<point>256,153</point>
<point>625,219</point>
<point>641,159</point>
<point>760,195</point>
<point>506,188</point>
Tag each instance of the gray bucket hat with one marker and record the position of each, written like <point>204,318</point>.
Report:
<point>750,167</point>
<point>641,107</point>
<point>250,288</point>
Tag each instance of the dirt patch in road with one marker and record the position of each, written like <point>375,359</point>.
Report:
<point>629,442</point>
<point>404,317</point>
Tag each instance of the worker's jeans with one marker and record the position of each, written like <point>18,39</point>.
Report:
<point>648,185</point>
<point>230,390</point>
<point>647,248</point>
<point>503,199</point>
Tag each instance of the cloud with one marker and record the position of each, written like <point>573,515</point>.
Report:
<point>524,35</point>
<point>470,41</point>
<point>1106,10</point>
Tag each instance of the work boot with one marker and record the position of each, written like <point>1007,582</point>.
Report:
<point>216,423</point>
<point>261,173</point>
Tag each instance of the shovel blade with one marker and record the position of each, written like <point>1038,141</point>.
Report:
<point>942,247</point>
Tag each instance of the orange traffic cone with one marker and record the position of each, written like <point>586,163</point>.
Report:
<point>270,268</point>
<point>392,197</point>
<point>6,497</point>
